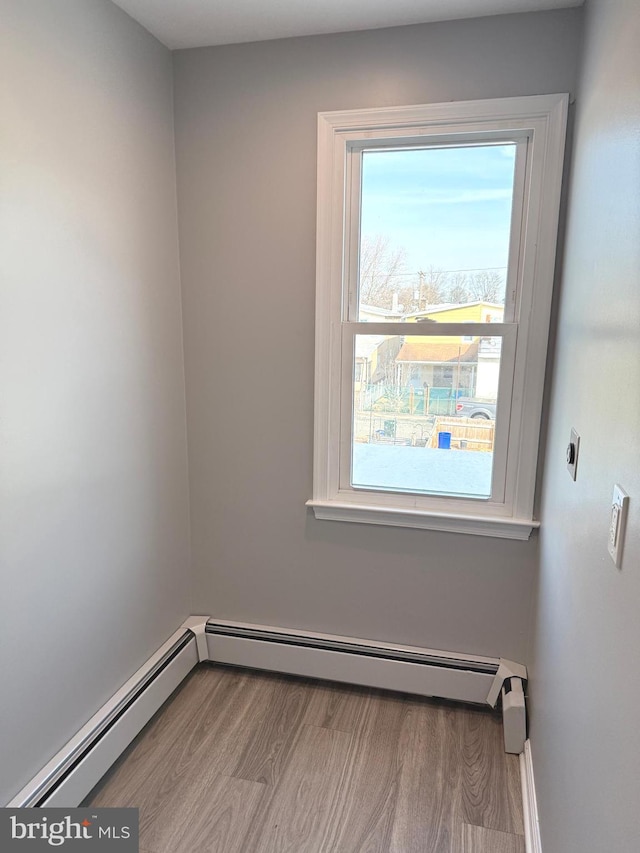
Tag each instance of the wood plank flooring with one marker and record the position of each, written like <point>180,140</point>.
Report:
<point>239,761</point>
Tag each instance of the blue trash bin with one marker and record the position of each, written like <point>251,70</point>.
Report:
<point>444,440</point>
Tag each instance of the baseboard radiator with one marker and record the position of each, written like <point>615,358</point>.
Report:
<point>408,669</point>
<point>71,774</point>
<point>424,672</point>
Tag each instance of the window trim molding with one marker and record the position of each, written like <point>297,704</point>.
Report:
<point>544,117</point>
<point>448,522</point>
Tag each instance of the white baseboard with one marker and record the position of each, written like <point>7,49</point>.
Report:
<point>75,769</point>
<point>425,672</point>
<point>533,842</point>
<point>80,764</point>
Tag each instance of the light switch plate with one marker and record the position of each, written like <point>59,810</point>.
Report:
<point>572,454</point>
<point>617,523</point>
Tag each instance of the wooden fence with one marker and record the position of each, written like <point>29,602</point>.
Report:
<point>466,433</point>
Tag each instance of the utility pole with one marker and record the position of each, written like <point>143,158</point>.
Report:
<point>421,291</point>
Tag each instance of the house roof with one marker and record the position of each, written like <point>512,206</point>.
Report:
<point>381,312</point>
<point>367,344</point>
<point>425,353</point>
<point>451,306</point>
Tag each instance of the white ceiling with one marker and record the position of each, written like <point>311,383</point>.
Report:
<point>196,23</point>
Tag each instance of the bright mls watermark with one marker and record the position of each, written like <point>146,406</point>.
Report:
<point>26,830</point>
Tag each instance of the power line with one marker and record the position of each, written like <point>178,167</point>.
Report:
<point>471,269</point>
<point>438,272</point>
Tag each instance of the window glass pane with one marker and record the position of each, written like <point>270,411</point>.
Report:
<point>424,414</point>
<point>434,233</point>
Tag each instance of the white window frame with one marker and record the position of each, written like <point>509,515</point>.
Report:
<point>537,124</point>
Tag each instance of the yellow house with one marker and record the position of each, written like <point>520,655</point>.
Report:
<point>468,312</point>
<point>466,365</point>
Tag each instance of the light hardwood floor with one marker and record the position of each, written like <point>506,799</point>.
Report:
<point>239,761</point>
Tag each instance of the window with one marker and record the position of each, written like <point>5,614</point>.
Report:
<point>436,246</point>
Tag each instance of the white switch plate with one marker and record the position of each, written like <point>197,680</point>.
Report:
<point>618,523</point>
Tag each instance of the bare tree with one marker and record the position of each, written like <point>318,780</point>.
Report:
<point>458,291</point>
<point>486,286</point>
<point>432,285</point>
<point>384,275</point>
<point>407,296</point>
<point>381,271</point>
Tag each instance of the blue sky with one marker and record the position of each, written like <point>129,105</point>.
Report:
<point>448,207</point>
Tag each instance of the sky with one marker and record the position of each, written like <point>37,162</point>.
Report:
<point>449,208</point>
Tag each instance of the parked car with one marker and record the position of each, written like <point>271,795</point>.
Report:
<point>475,407</point>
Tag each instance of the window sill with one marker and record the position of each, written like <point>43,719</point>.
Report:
<point>477,525</point>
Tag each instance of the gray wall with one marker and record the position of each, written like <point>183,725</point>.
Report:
<point>246,153</point>
<point>93,493</point>
<point>585,685</point>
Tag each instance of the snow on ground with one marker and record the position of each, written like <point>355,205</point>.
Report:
<point>422,469</point>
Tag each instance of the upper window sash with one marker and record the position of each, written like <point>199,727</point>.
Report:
<point>353,207</point>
